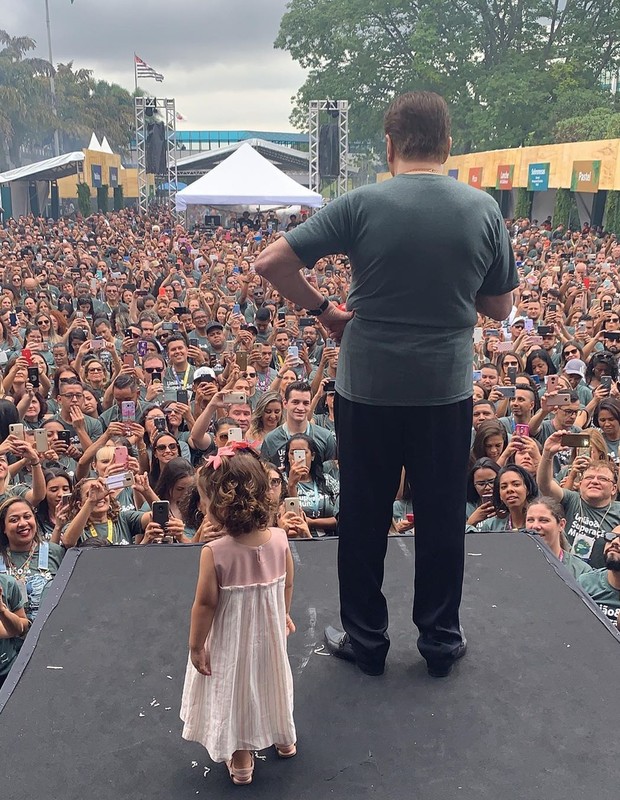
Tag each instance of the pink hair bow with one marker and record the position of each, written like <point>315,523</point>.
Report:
<point>230,450</point>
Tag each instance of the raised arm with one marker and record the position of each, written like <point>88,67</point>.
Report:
<point>544,476</point>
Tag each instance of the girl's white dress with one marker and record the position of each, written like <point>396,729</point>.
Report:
<point>247,702</point>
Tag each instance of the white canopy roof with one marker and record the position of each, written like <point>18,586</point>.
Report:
<point>246,178</point>
<point>94,143</point>
<point>50,169</point>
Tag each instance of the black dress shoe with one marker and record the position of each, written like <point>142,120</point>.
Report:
<point>437,671</point>
<point>338,643</point>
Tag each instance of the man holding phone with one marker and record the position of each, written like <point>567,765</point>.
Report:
<point>392,231</point>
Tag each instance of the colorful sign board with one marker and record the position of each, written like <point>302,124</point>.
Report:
<point>475,177</point>
<point>95,175</point>
<point>453,173</point>
<point>113,177</point>
<point>585,177</point>
<point>538,177</point>
<point>505,176</point>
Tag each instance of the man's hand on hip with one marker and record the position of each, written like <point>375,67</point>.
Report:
<point>335,321</point>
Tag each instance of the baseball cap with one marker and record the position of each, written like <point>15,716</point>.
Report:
<point>575,366</point>
<point>262,314</point>
<point>517,320</point>
<point>202,373</point>
<point>214,326</point>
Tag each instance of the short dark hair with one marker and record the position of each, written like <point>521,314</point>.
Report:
<point>126,382</point>
<point>297,386</point>
<point>418,123</point>
<point>176,337</point>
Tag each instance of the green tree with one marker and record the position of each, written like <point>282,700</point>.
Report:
<point>24,97</point>
<point>510,69</point>
<point>85,105</point>
<point>600,123</point>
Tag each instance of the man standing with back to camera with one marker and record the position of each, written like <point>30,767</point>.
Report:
<point>426,253</point>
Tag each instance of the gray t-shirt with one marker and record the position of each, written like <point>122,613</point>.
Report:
<point>585,526</point>
<point>422,247</point>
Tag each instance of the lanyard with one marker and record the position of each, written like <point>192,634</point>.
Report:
<point>43,562</point>
<point>110,536</point>
<point>185,381</point>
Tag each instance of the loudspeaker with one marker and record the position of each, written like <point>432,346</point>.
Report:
<point>156,148</point>
<point>329,151</point>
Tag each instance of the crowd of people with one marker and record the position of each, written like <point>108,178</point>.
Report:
<point>136,355</point>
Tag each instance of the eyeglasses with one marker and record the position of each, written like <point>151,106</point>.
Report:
<point>94,369</point>
<point>161,448</point>
<point>610,536</point>
<point>600,478</point>
<point>151,370</point>
<point>72,395</point>
<point>573,352</point>
<point>482,484</point>
<point>43,322</point>
<point>511,363</point>
<point>275,482</point>
<point>249,374</point>
<point>614,319</point>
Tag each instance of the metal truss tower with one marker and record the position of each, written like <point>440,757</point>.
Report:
<point>163,109</point>
<point>315,107</point>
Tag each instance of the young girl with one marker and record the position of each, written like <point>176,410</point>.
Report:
<point>238,693</point>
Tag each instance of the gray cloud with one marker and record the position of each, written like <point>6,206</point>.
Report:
<point>217,56</point>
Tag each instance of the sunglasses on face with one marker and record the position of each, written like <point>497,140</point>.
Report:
<point>610,536</point>
<point>161,448</point>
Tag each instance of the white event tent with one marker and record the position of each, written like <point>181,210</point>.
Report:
<point>246,178</point>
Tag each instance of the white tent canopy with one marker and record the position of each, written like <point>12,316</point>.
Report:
<point>246,178</point>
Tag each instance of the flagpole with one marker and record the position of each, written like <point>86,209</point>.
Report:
<point>135,71</point>
<point>52,83</point>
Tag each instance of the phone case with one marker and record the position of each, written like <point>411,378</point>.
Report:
<point>41,441</point>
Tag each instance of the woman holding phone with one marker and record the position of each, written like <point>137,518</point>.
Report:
<point>58,487</point>
<point>480,483</point>
<point>514,488</point>
<point>317,492</point>
<point>94,513</point>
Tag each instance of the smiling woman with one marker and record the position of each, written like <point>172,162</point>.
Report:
<point>29,559</point>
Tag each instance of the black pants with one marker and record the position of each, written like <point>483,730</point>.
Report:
<point>374,443</point>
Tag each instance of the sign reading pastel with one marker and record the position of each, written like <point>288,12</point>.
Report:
<point>585,177</point>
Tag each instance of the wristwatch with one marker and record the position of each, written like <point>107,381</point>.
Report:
<point>316,312</point>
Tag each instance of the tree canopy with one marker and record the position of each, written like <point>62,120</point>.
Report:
<point>83,104</point>
<point>512,70</point>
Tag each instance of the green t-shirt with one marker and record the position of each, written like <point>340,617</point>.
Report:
<point>35,576</point>
<point>422,247</point>
<point>122,530</point>
<point>9,648</point>
<point>575,565</point>
<point>274,444</point>
<point>18,490</point>
<point>92,427</point>
<point>595,583</point>
<point>585,526</point>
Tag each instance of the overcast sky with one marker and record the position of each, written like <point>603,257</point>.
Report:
<point>217,56</point>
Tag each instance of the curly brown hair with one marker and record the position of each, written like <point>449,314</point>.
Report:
<point>238,493</point>
<point>76,502</point>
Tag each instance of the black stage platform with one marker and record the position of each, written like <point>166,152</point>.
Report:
<point>530,714</point>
